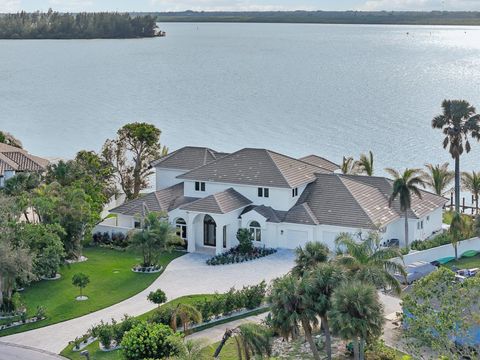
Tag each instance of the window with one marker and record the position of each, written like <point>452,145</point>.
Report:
<point>199,186</point>
<point>181,226</point>
<point>263,192</point>
<point>255,231</point>
<point>137,224</point>
<point>225,236</point>
<point>294,192</point>
<point>428,218</point>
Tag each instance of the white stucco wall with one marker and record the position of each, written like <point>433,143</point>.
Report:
<point>166,177</point>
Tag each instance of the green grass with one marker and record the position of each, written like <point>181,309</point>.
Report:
<point>111,281</point>
<point>448,216</point>
<point>465,263</point>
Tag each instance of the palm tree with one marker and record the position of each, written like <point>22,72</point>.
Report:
<point>403,186</point>
<point>438,177</point>
<point>187,314</point>
<point>291,307</point>
<point>471,182</point>
<point>357,314</point>
<point>322,282</point>
<point>349,166</point>
<point>251,340</point>
<point>457,227</point>
<point>309,256</point>
<point>458,121</point>
<point>193,350</point>
<point>365,164</point>
<point>370,263</point>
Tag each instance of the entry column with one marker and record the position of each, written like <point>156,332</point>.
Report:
<point>190,233</point>
<point>219,238</point>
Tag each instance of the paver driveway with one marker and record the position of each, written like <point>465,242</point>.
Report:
<point>186,275</point>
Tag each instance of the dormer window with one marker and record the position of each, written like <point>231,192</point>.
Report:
<point>199,186</point>
<point>263,192</point>
<point>294,192</point>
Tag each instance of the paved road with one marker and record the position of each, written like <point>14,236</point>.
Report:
<point>184,276</point>
<point>16,352</point>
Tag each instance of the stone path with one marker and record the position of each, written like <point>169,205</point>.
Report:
<point>186,275</point>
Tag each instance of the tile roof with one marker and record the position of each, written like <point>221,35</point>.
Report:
<point>187,158</point>
<point>219,203</point>
<point>13,158</point>
<point>163,200</point>
<point>256,167</point>
<point>320,162</point>
<point>270,214</point>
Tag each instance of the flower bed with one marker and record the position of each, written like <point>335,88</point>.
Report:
<point>22,321</point>
<point>234,256</point>
<point>147,269</point>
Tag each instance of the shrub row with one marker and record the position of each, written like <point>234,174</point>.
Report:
<point>234,255</point>
<point>439,240</point>
<point>115,239</point>
<point>106,333</point>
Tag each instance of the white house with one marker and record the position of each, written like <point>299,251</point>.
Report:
<point>285,202</point>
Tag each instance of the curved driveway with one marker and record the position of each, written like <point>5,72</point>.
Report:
<point>16,352</point>
<point>185,275</point>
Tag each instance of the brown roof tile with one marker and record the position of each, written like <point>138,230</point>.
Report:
<point>219,203</point>
<point>187,158</point>
<point>320,162</point>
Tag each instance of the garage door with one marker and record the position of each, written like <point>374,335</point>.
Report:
<point>296,238</point>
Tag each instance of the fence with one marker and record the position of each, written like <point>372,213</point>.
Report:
<point>110,229</point>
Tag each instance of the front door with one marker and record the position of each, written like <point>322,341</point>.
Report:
<point>209,231</point>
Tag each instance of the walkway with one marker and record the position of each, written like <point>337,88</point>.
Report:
<point>17,352</point>
<point>186,275</point>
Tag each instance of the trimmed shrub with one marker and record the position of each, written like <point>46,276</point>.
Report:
<point>439,240</point>
<point>245,240</point>
<point>157,297</point>
<point>235,255</point>
<point>254,295</point>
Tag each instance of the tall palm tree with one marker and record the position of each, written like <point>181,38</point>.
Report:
<point>365,164</point>
<point>322,282</point>
<point>357,314</point>
<point>458,122</point>
<point>349,166</point>
<point>309,256</point>
<point>457,227</point>
<point>290,308</point>
<point>471,183</point>
<point>187,314</point>
<point>404,185</point>
<point>438,177</point>
<point>370,263</point>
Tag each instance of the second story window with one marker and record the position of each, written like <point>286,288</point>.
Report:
<point>294,192</point>
<point>199,186</point>
<point>263,192</point>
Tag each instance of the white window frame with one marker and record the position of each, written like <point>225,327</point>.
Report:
<point>255,231</point>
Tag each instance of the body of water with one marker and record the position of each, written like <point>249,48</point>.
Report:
<point>331,90</point>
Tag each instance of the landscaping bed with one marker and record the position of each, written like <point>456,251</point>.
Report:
<point>235,256</point>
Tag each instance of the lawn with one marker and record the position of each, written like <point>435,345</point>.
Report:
<point>465,263</point>
<point>111,281</point>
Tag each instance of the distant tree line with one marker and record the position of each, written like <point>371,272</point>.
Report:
<point>55,25</point>
<point>326,17</point>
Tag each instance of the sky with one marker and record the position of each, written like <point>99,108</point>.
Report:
<point>254,5</point>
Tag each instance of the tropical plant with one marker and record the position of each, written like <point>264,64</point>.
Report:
<point>291,308</point>
<point>322,282</point>
<point>365,164</point>
<point>187,314</point>
<point>81,281</point>
<point>471,183</point>
<point>438,177</point>
<point>157,297</point>
<point>456,230</point>
<point>252,340</point>
<point>357,314</point>
<point>404,187</point>
<point>368,262</point>
<point>458,122</point>
<point>309,256</point>
<point>193,350</point>
<point>349,166</point>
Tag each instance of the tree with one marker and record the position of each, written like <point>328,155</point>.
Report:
<point>471,183</point>
<point>155,236</point>
<point>438,177</point>
<point>291,307</point>
<point>349,166</point>
<point>252,340</point>
<point>476,226</point>
<point>357,314</point>
<point>245,241</point>
<point>81,281</point>
<point>309,256</point>
<point>404,186</point>
<point>151,341</point>
<point>368,262</point>
<point>322,282</point>
<point>21,187</point>
<point>130,154</point>
<point>157,297</point>
<point>187,314</point>
<point>458,123</point>
<point>9,139</point>
<point>456,230</point>
<point>365,164</point>
<point>193,351</point>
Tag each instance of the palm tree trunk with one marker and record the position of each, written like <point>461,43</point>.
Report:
<point>308,335</point>
<point>457,183</point>
<point>328,339</point>
<point>226,336</point>
<point>356,351</point>
<point>406,230</point>
<point>361,347</point>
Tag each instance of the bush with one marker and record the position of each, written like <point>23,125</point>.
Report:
<point>40,312</point>
<point>105,333</point>
<point>157,297</point>
<point>127,324</point>
<point>117,239</point>
<point>439,240</point>
<point>378,351</point>
<point>162,315</point>
<point>156,341</point>
<point>245,241</point>
<point>235,255</point>
<point>254,295</point>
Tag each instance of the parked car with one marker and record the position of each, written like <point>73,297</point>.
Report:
<point>415,271</point>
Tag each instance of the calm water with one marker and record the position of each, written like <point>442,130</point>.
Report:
<point>297,89</point>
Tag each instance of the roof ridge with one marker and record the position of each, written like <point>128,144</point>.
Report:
<point>318,156</point>
<point>310,213</point>
<point>299,160</point>
<point>276,165</point>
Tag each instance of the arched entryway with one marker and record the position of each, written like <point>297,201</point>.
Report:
<point>209,231</point>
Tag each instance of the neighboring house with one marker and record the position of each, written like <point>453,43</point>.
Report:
<point>285,202</point>
<point>14,160</point>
